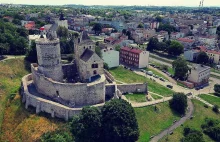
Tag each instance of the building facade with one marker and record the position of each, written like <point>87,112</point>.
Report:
<point>199,75</point>
<point>134,57</point>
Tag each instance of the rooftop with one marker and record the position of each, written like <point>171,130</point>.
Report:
<point>133,50</point>
<point>185,40</point>
<point>200,68</point>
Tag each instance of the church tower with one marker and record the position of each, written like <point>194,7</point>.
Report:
<point>49,57</point>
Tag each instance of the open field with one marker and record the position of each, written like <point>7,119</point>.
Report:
<point>156,97</point>
<point>128,76</point>
<point>199,117</point>
<point>17,123</point>
<point>211,99</point>
<point>152,122</point>
<point>136,97</point>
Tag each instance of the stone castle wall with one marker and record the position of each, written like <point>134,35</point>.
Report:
<point>78,94</point>
<point>132,88</point>
<point>44,105</point>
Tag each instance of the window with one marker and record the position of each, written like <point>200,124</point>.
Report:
<point>90,47</point>
<point>95,66</point>
<point>94,72</point>
<point>84,47</point>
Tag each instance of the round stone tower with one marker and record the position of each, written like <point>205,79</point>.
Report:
<point>49,58</point>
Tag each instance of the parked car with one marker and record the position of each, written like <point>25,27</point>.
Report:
<point>164,71</point>
<point>170,86</point>
<point>171,133</point>
<point>162,79</point>
<point>131,69</point>
<point>150,73</point>
<point>189,94</point>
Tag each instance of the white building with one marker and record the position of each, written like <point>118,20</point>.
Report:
<point>199,75</point>
<point>207,40</point>
<point>34,37</point>
<point>110,56</point>
<point>191,55</point>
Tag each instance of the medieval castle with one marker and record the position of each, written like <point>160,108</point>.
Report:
<point>62,90</point>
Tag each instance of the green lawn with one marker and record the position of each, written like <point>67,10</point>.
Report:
<point>156,97</point>
<point>215,70</point>
<point>200,114</point>
<point>152,122</point>
<point>170,70</point>
<point>211,99</point>
<point>136,97</point>
<point>215,76</point>
<point>128,76</point>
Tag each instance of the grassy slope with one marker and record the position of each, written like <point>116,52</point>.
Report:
<point>19,124</point>
<point>136,97</point>
<point>11,68</point>
<point>156,97</point>
<point>210,99</point>
<point>151,122</point>
<point>200,114</point>
<point>128,76</point>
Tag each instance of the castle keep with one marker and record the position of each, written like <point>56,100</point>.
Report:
<point>62,90</point>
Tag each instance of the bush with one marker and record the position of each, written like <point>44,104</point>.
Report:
<point>56,136</point>
<point>179,103</point>
<point>216,108</point>
<point>211,128</point>
<point>206,106</point>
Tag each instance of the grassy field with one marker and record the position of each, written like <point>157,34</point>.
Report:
<point>156,97</point>
<point>200,114</point>
<point>210,99</point>
<point>11,72</point>
<point>215,70</point>
<point>215,76</point>
<point>136,97</point>
<point>17,123</point>
<point>128,76</point>
<point>152,122</point>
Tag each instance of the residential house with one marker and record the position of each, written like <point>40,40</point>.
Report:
<point>30,25</point>
<point>186,42</point>
<point>191,55</point>
<point>176,35</point>
<point>110,56</point>
<point>207,40</point>
<point>133,57</point>
<point>199,75</point>
<point>214,56</point>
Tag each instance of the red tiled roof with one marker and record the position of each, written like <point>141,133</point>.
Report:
<point>110,39</point>
<point>203,48</point>
<point>133,50</point>
<point>117,41</point>
<point>185,40</point>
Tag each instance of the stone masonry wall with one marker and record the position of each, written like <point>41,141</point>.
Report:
<point>109,90</point>
<point>79,94</point>
<point>132,88</point>
<point>43,105</point>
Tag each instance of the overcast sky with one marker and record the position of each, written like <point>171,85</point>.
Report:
<point>117,2</point>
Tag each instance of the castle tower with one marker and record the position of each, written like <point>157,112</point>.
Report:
<point>49,58</point>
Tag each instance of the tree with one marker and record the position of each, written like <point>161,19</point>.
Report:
<point>162,46</point>
<point>106,66</point>
<point>62,32</point>
<point>129,35</point>
<point>87,126</point>
<point>211,127</point>
<point>179,103</point>
<point>180,68</point>
<point>215,108</point>
<point>217,88</point>
<point>152,45</point>
<point>98,51</point>
<point>159,19</point>
<point>124,31</point>
<point>56,136</point>
<point>167,27</point>
<point>140,25</point>
<point>31,55</point>
<point>16,21</point>
<point>117,47</point>
<point>175,48</point>
<point>218,31</point>
<point>4,48</point>
<point>192,135</point>
<point>119,122</point>
<point>202,58</point>
<point>97,28</point>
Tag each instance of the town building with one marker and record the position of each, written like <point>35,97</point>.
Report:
<point>191,55</point>
<point>199,75</point>
<point>134,57</point>
<point>110,56</point>
<point>186,42</point>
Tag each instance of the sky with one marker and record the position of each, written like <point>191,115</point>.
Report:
<point>117,2</point>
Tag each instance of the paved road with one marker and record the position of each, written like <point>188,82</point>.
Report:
<point>170,65</point>
<point>8,57</point>
<point>176,124</point>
